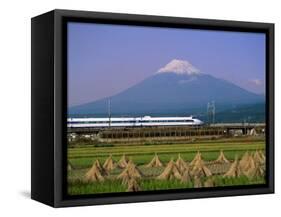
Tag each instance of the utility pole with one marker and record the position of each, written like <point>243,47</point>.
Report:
<point>109,113</point>
<point>211,112</point>
<point>214,111</point>
<point>208,113</point>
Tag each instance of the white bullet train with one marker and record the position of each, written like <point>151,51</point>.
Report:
<point>146,121</point>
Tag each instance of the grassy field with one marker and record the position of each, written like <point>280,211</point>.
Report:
<point>78,187</point>
<point>82,157</point>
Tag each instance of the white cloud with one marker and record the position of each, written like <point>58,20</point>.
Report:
<point>179,67</point>
<point>257,82</point>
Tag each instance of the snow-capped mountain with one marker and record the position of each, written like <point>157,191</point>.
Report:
<point>175,89</point>
<point>179,67</point>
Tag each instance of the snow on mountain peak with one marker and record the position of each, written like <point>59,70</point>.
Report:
<point>179,67</point>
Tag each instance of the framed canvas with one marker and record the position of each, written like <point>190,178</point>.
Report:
<point>134,108</point>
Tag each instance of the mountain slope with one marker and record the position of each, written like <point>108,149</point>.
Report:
<point>180,92</point>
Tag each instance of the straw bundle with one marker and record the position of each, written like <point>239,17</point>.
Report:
<point>96,173</point>
<point>109,164</point>
<point>123,161</point>
<point>244,160</point>
<point>221,159</point>
<point>262,156</point>
<point>170,172</point>
<point>155,162</point>
<point>234,170</point>
<point>200,170</point>
<point>209,183</point>
<point>197,182</point>
<point>131,171</point>
<point>255,166</point>
<point>259,158</point>
<point>133,186</point>
<point>98,165</point>
<point>248,166</point>
<point>197,157</point>
<point>181,164</point>
<point>186,176</point>
<point>259,170</point>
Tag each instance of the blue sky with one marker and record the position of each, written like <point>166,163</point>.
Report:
<point>105,59</point>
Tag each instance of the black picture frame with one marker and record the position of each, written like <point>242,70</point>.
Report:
<point>49,82</point>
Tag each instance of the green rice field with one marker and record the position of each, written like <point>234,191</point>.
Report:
<point>81,158</point>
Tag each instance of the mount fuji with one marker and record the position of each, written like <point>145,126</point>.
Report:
<point>178,88</point>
